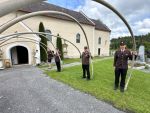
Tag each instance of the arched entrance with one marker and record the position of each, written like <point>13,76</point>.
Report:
<point>19,55</point>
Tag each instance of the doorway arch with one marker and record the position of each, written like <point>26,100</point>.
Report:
<point>18,54</point>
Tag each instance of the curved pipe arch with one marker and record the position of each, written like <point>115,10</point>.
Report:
<point>18,19</point>
<point>14,21</point>
<point>24,41</point>
<point>39,33</point>
<point>23,38</point>
<point>129,28</point>
<point>108,6</point>
<point>26,16</point>
<point>120,16</point>
<point>31,41</point>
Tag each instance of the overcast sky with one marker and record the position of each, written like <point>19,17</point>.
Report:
<point>136,12</point>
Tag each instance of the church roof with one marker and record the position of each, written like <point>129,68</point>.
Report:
<point>41,6</point>
<point>100,25</point>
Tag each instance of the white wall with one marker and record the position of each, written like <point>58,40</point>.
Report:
<point>105,42</point>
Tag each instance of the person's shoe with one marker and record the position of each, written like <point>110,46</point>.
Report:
<point>115,87</point>
<point>88,79</point>
<point>122,90</point>
<point>83,77</point>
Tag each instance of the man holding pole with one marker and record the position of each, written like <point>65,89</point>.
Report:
<point>86,63</point>
<point>121,58</point>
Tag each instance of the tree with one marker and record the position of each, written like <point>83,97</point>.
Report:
<point>59,45</point>
<point>43,40</point>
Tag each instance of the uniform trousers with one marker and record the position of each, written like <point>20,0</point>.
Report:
<point>58,66</point>
<point>120,72</point>
<point>85,69</point>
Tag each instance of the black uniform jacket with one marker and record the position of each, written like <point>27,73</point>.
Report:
<point>121,59</point>
<point>57,56</point>
<point>86,58</point>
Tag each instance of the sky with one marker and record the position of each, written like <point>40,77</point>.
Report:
<point>136,12</point>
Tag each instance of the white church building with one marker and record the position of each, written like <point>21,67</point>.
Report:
<point>21,51</point>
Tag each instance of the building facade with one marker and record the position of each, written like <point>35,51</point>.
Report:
<point>21,50</point>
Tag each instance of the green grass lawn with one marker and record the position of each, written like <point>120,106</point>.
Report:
<point>68,61</point>
<point>135,99</point>
<point>71,60</point>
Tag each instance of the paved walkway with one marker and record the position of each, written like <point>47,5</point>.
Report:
<point>26,89</point>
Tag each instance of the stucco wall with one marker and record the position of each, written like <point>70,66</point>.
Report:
<point>105,42</point>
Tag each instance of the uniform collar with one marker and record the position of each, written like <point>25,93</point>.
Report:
<point>122,50</point>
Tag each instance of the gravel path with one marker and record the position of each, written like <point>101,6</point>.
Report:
<point>26,89</point>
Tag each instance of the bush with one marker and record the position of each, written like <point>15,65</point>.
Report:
<point>59,46</point>
<point>43,54</point>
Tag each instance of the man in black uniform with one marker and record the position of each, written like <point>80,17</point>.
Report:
<point>86,63</point>
<point>50,56</point>
<point>121,58</point>
<point>57,60</point>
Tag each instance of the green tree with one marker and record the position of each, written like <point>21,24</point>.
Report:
<point>59,45</point>
<point>43,40</point>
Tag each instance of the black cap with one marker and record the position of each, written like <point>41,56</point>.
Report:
<point>122,43</point>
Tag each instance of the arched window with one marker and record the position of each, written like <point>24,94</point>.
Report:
<point>48,36</point>
<point>99,40</point>
<point>78,38</point>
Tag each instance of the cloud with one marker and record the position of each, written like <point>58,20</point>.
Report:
<point>136,13</point>
<point>143,27</point>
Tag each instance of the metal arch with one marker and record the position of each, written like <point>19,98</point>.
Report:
<point>18,34</point>
<point>25,41</point>
<point>120,16</point>
<point>22,41</point>
<point>115,11</point>
<point>129,28</point>
<point>73,45</point>
<point>24,38</point>
<point>39,33</point>
<point>23,17</point>
<point>29,39</point>
<point>14,21</point>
